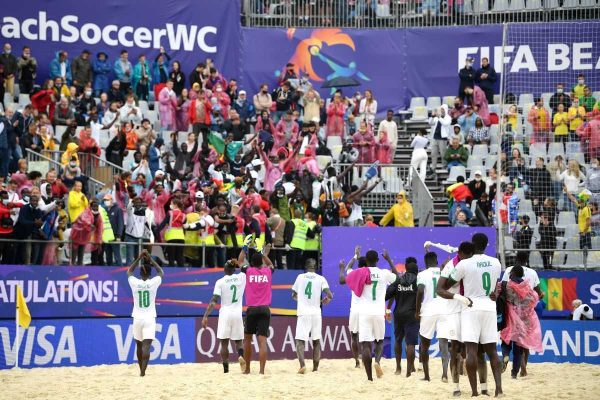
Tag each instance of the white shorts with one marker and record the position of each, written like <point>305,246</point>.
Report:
<point>478,326</point>
<point>308,325</point>
<point>144,328</point>
<point>448,327</point>
<point>371,327</point>
<point>230,325</point>
<point>428,325</point>
<point>353,323</point>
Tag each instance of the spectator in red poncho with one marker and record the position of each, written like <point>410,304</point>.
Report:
<point>364,142</point>
<point>58,188</point>
<point>335,116</point>
<point>589,134</point>
<point>476,97</point>
<point>44,100</point>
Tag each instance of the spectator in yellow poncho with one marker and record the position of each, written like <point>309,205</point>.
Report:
<point>69,154</point>
<point>401,212</point>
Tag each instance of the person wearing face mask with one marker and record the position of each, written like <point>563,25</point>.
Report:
<point>78,202</point>
<point>244,108</point>
<point>466,76</point>
<point>174,233</point>
<point>457,110</point>
<point>592,180</point>
<point>559,97</point>
<point>401,213</point>
<point>113,227</point>
<point>579,87</point>
<point>262,100</point>
<point>29,222</point>
<point>11,68</point>
<point>7,208</point>
<point>477,186</point>
<point>539,118</point>
<point>136,228</point>
<point>86,233</point>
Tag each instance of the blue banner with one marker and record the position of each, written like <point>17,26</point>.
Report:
<point>588,290</point>
<point>68,292</point>
<point>189,30</point>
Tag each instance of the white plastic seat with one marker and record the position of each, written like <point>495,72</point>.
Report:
<point>480,150</point>
<point>323,162</point>
<point>565,218</point>
<point>59,130</point>
<point>525,206</point>
<point>480,6</point>
<point>448,100</point>
<point>144,108</point>
<point>579,157</point>
<point>433,103</point>
<point>416,102</point>
<point>455,172</point>
<point>152,116</point>
<point>497,99</point>
<point>494,148</point>
<point>525,98</point>
<point>391,177</point>
<point>535,260</point>
<point>537,150</point>
<point>24,99</point>
<point>574,260</point>
<point>550,4</point>
<point>555,149</point>
<point>520,192</point>
<point>500,5</point>
<point>419,114</point>
<point>336,151</point>
<point>570,4</point>
<point>573,147</point>
<point>333,141</point>
<point>474,161</point>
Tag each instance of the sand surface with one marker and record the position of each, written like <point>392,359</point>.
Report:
<point>336,379</point>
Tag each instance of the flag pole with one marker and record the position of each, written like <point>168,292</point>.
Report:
<point>17,338</point>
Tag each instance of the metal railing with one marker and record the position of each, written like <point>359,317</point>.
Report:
<point>566,259</point>
<point>47,160</point>
<point>422,201</point>
<point>411,13</point>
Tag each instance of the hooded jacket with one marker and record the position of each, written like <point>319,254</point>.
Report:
<point>71,151</point>
<point>55,69</point>
<point>82,70</point>
<point>401,213</point>
<point>445,121</point>
<point>102,71</point>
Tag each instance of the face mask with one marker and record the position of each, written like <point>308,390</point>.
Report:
<point>88,93</point>
<point>107,203</point>
<point>95,212</point>
<point>559,90</point>
<point>580,81</point>
<point>280,195</point>
<point>7,51</point>
<point>26,198</point>
<point>468,65</point>
<point>477,179</point>
<point>72,165</point>
<point>5,202</point>
<point>264,90</point>
<point>172,206</point>
<point>219,90</point>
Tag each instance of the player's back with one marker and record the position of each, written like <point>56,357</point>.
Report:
<point>529,275</point>
<point>429,279</point>
<point>231,290</point>
<point>144,296</point>
<point>372,299</point>
<point>308,288</point>
<point>479,275</point>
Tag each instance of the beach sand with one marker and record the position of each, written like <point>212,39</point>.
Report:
<point>336,379</point>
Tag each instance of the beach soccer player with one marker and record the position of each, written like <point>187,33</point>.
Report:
<point>308,291</point>
<point>229,290</point>
<point>144,291</point>
<point>345,269</point>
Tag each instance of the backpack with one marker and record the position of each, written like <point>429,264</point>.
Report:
<point>501,307</point>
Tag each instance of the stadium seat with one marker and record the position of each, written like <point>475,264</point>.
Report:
<point>416,102</point>
<point>596,95</point>
<point>59,130</point>
<point>573,147</point>
<point>537,150</point>
<point>501,5</point>
<point>494,108</point>
<point>535,260</point>
<point>323,162</point>
<point>494,148</point>
<point>152,116</point>
<point>433,103</point>
<point>455,172</point>
<point>546,96</point>
<point>508,243</point>
<point>474,161</point>
<point>1,108</point>
<point>574,261</point>
<point>565,218</point>
<point>579,157</point>
<point>555,149</point>
<point>532,4</point>
<point>144,108</point>
<point>497,99</point>
<point>393,182</point>
<point>8,99</point>
<point>480,6</point>
<point>596,242</point>
<point>525,206</point>
<point>524,99</point>
<point>448,100</point>
<point>336,151</point>
<point>24,99</point>
<point>480,150</point>
<point>551,4</point>
<point>419,114</point>
<point>520,192</point>
<point>334,141</point>
<point>570,4</point>
<point>467,7</point>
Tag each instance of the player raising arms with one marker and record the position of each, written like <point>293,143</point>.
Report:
<point>307,291</point>
<point>479,275</point>
<point>353,318</point>
<point>144,305</point>
<point>230,291</point>
<point>259,280</point>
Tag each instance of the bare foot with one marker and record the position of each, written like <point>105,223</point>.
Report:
<point>247,372</point>
<point>445,379</point>
<point>242,363</point>
<point>484,393</point>
<point>378,370</point>
<point>302,371</point>
<point>456,393</point>
<point>426,379</point>
<point>398,371</point>
<point>357,364</point>
<point>523,372</point>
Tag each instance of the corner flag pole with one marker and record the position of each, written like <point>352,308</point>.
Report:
<point>17,342</point>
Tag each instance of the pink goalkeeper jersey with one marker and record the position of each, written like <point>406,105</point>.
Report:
<point>258,286</point>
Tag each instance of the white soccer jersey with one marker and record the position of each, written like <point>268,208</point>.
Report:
<point>372,300</point>
<point>450,306</point>
<point>308,287</point>
<point>230,289</point>
<point>479,275</point>
<point>529,275</point>
<point>354,300</point>
<point>431,302</point>
<point>144,296</point>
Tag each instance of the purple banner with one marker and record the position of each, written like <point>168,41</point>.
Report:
<point>189,30</point>
<point>67,292</point>
<point>374,58</point>
<point>339,244</point>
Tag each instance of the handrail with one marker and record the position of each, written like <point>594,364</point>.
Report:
<point>422,200</point>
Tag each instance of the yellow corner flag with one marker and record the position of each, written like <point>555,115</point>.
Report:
<point>23,315</point>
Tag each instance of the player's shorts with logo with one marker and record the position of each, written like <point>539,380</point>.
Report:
<point>371,327</point>
<point>230,325</point>
<point>144,328</point>
<point>445,326</point>
<point>478,326</point>
<point>309,325</point>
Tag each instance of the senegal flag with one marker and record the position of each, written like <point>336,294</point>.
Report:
<point>559,292</point>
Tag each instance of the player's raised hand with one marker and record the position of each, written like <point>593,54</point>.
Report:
<point>386,254</point>
<point>205,322</point>
<point>357,251</point>
<point>342,264</point>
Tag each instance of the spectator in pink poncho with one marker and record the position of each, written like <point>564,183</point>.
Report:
<point>285,130</point>
<point>308,163</point>
<point>540,121</point>
<point>223,100</point>
<point>335,116</point>
<point>168,106</point>
<point>86,234</point>
<point>522,329</point>
<point>307,138</point>
<point>364,142</point>
<point>157,199</point>
<point>265,123</point>
<point>476,98</point>
<point>384,148</point>
<point>275,167</point>
<point>183,107</point>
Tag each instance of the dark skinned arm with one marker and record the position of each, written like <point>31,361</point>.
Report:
<point>346,267</point>
<point>134,264</point>
<point>209,309</point>
<point>328,296</point>
<point>265,256</point>
<point>342,174</point>
<point>442,290</point>
<point>158,268</point>
<point>386,257</point>
<point>420,293</point>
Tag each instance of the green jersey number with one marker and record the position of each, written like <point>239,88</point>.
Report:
<point>434,288</point>
<point>486,282</point>
<point>375,290</point>
<point>234,297</point>
<point>144,298</point>
<point>308,290</point>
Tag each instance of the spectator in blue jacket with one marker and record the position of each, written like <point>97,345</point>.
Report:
<point>124,71</point>
<point>102,69</point>
<point>467,120</point>
<point>486,79</point>
<point>142,76</point>
<point>160,68</point>
<point>244,107</point>
<point>154,155</point>
<point>61,67</point>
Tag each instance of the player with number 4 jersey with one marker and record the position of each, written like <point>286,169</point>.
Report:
<point>144,291</point>
<point>308,291</point>
<point>229,290</point>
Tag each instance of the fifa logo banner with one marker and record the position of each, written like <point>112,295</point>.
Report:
<point>190,31</point>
